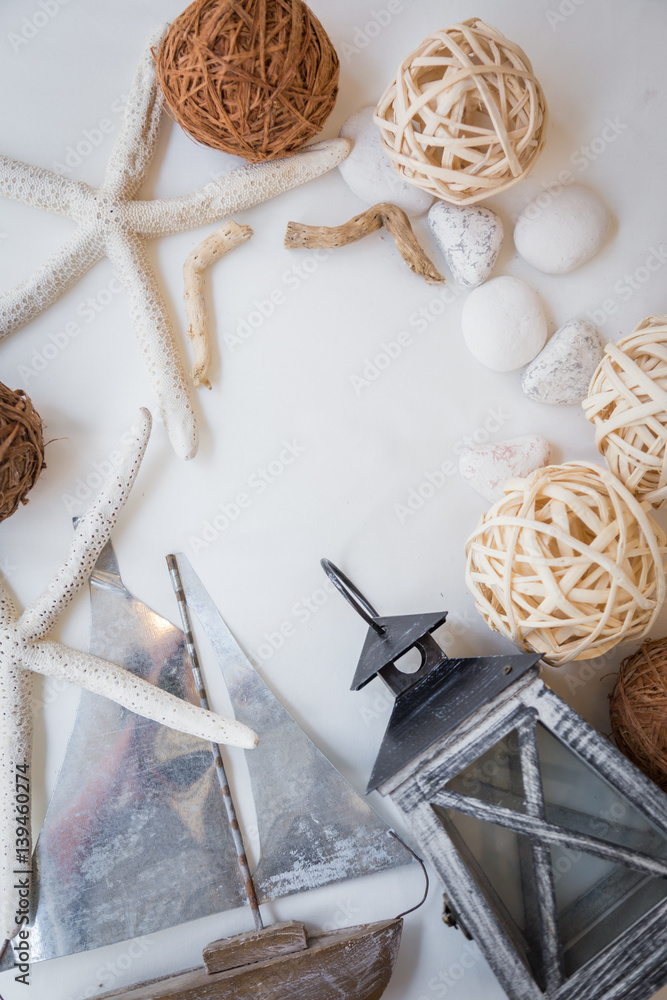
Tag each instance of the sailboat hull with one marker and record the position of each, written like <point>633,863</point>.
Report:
<point>354,963</point>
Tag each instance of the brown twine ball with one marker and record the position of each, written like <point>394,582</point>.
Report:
<point>638,709</point>
<point>21,449</point>
<point>257,78</point>
<point>568,563</point>
<point>465,116</point>
<point>627,404</point>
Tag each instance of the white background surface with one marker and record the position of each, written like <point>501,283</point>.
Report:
<point>363,452</point>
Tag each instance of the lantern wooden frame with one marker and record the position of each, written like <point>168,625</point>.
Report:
<point>634,965</point>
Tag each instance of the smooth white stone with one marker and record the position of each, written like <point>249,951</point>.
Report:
<point>565,233</point>
<point>503,324</point>
<point>470,238</point>
<point>368,172</point>
<point>561,373</point>
<point>487,468</point>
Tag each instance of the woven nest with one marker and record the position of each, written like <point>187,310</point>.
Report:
<point>257,78</point>
<point>567,564</point>
<point>21,449</point>
<point>638,708</point>
<point>465,116</point>
<point>627,403</point>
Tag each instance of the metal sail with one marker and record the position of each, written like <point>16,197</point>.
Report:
<point>134,839</point>
<point>314,828</point>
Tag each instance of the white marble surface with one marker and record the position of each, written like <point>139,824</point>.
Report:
<point>314,373</point>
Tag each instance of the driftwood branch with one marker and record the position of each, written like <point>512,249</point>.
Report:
<point>224,239</point>
<point>391,217</point>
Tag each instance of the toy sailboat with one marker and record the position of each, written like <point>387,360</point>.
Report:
<point>136,838</point>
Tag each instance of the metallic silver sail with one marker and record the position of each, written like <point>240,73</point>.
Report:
<point>135,838</point>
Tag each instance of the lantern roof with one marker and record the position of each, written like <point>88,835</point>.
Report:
<point>391,637</point>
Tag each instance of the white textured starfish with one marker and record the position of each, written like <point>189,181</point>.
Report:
<point>113,223</point>
<point>24,649</point>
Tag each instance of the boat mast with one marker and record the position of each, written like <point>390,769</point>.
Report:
<point>230,808</point>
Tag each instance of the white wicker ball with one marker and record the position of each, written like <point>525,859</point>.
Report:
<point>465,116</point>
<point>627,404</point>
<point>568,563</point>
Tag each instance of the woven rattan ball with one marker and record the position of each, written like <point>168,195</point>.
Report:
<point>21,449</point>
<point>257,78</point>
<point>627,403</point>
<point>638,709</point>
<point>568,563</point>
<point>465,116</point>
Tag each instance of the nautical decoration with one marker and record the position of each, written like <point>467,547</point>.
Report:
<point>638,709</point>
<point>568,563</point>
<point>312,827</point>
<point>627,406</point>
<point>465,116</point>
<point>256,78</point>
<point>21,449</point>
<point>24,649</point>
<point>113,222</point>
<point>395,221</point>
<point>551,845</point>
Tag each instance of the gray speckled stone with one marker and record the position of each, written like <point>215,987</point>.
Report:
<point>368,172</point>
<point>470,238</point>
<point>488,467</point>
<point>561,373</point>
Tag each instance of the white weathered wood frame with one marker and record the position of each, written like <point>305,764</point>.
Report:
<point>634,966</point>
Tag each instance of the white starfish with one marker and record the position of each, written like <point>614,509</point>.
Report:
<point>24,649</point>
<point>112,223</point>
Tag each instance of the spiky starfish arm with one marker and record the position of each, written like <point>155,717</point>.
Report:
<point>242,188</point>
<point>133,149</point>
<point>156,341</point>
<point>61,271</point>
<point>22,651</point>
<point>92,533</point>
<point>132,692</point>
<point>39,187</point>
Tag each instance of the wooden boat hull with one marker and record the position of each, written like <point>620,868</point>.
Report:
<point>354,963</point>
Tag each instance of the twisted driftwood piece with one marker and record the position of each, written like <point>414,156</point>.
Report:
<point>224,239</point>
<point>391,217</point>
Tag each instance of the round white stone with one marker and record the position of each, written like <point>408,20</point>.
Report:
<point>488,468</point>
<point>368,172</point>
<point>469,237</point>
<point>561,373</point>
<point>564,233</point>
<point>503,324</point>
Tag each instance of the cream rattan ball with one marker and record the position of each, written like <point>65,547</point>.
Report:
<point>465,116</point>
<point>627,403</point>
<point>568,563</point>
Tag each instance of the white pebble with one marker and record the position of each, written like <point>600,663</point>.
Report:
<point>487,468</point>
<point>565,233</point>
<point>561,373</point>
<point>503,324</point>
<point>368,172</point>
<point>470,238</point>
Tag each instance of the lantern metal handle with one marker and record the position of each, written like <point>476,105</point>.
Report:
<point>352,594</point>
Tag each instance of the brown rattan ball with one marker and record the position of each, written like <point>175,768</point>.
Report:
<point>257,78</point>
<point>465,116</point>
<point>638,709</point>
<point>627,404</point>
<point>21,449</point>
<point>568,563</point>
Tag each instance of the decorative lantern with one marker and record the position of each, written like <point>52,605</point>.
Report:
<point>551,845</point>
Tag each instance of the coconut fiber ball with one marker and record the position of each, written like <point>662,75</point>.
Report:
<point>21,449</point>
<point>257,78</point>
<point>638,709</point>
<point>568,563</point>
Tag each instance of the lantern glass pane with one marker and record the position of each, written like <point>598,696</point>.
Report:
<point>597,899</point>
<point>495,776</point>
